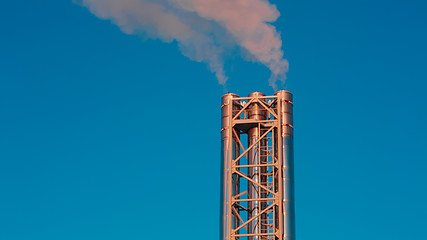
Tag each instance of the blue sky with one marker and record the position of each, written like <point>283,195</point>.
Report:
<point>107,136</point>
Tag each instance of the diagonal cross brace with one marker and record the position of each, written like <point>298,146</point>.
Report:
<point>255,183</point>
<point>268,109</point>
<point>238,140</point>
<point>253,145</point>
<point>238,216</point>
<point>243,109</point>
<point>258,215</point>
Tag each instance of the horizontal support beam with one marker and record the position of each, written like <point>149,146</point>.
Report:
<point>248,98</point>
<point>254,217</point>
<point>268,109</point>
<point>254,234</point>
<point>256,199</point>
<point>255,183</point>
<point>243,109</point>
<point>258,165</point>
<point>241,121</point>
<point>252,146</point>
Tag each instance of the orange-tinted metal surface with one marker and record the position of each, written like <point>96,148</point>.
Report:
<point>257,195</point>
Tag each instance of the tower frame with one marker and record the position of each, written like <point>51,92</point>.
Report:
<point>257,196</point>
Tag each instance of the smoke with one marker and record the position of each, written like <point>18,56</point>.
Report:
<point>204,29</point>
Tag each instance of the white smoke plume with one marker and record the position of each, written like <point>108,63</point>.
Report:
<point>203,29</point>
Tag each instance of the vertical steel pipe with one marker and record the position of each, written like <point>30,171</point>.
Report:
<point>275,148</point>
<point>255,112</point>
<point>227,108</point>
<point>285,108</point>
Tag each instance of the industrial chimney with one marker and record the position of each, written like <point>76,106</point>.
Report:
<point>257,172</point>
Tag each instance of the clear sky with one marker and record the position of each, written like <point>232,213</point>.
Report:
<point>107,136</point>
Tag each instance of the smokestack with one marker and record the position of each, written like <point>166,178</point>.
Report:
<point>228,146</point>
<point>255,157</point>
<point>257,179</point>
<point>285,105</point>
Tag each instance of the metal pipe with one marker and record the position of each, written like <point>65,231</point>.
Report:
<point>266,168</point>
<point>228,107</point>
<point>285,105</point>
<point>256,112</point>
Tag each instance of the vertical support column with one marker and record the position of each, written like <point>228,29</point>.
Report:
<point>285,105</point>
<point>235,153</point>
<point>254,123</point>
<point>256,112</point>
<point>228,149</point>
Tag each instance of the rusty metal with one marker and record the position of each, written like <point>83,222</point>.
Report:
<point>257,179</point>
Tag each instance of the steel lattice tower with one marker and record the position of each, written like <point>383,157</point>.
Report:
<point>257,187</point>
